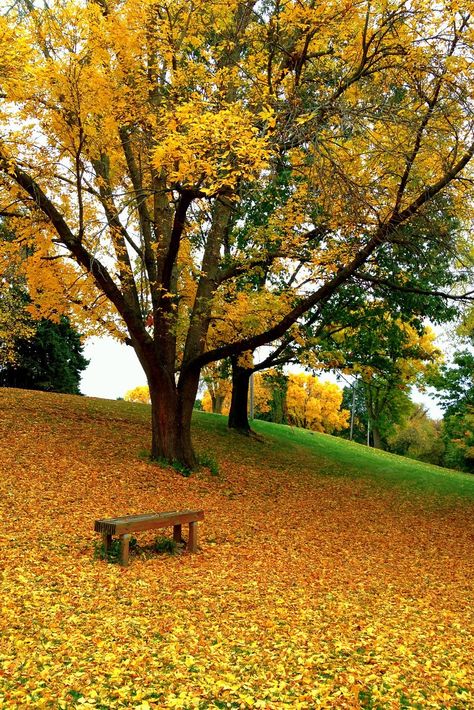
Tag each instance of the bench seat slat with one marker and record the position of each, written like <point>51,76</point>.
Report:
<point>148,521</point>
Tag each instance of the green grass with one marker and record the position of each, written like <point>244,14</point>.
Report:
<point>294,448</point>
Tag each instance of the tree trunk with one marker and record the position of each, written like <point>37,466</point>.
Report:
<point>238,417</point>
<point>218,404</point>
<point>377,437</point>
<point>213,402</point>
<point>171,413</point>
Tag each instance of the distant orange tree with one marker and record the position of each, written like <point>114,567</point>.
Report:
<point>138,394</point>
<point>216,396</point>
<point>315,405</point>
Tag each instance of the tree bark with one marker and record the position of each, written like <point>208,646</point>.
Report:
<point>213,403</point>
<point>238,413</point>
<point>217,404</point>
<point>377,437</point>
<point>171,413</point>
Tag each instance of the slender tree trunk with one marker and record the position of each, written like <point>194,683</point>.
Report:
<point>213,403</point>
<point>238,417</point>
<point>218,404</point>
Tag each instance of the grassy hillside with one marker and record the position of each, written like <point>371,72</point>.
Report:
<point>330,455</point>
<point>328,576</point>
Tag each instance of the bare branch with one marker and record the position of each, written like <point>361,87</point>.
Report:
<point>468,296</point>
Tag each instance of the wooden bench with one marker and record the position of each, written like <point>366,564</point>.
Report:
<point>124,526</point>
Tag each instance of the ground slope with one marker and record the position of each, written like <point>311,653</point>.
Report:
<point>328,576</point>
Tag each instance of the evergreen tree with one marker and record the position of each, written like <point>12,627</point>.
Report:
<point>455,391</point>
<point>51,360</point>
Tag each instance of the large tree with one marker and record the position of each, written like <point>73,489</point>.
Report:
<point>136,136</point>
<point>419,278</point>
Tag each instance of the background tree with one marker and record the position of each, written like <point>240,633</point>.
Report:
<point>458,434</point>
<point>51,359</point>
<point>262,393</point>
<point>15,321</point>
<point>454,384</point>
<point>270,397</point>
<point>388,356</point>
<point>45,354</point>
<point>216,377</point>
<point>418,437</point>
<point>138,394</point>
<point>419,278</point>
<point>135,136</point>
<point>353,399</point>
<point>315,405</point>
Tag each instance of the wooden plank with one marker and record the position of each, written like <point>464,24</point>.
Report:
<point>157,521</point>
<point>193,536</point>
<point>124,549</point>
<point>148,521</point>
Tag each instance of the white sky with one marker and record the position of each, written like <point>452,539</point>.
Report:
<point>114,368</point>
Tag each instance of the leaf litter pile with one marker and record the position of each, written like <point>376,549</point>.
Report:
<point>309,590</point>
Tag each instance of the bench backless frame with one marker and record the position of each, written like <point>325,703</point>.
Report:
<point>127,524</point>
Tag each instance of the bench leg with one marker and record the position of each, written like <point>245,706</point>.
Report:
<point>106,541</point>
<point>177,533</point>
<point>193,537</point>
<point>124,548</point>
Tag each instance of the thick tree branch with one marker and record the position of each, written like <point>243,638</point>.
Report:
<point>83,257</point>
<point>184,201</point>
<point>382,235</point>
<point>399,217</point>
<point>244,267</point>
<point>141,205</point>
<point>276,331</point>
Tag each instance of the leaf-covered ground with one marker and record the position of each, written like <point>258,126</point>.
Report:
<point>320,582</point>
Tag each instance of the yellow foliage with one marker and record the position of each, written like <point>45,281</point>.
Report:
<point>315,405</point>
<point>262,394</point>
<point>217,396</point>
<point>219,388</point>
<point>219,402</point>
<point>210,150</point>
<point>15,319</point>
<point>138,394</point>
<point>242,313</point>
<point>15,323</point>
<point>205,116</point>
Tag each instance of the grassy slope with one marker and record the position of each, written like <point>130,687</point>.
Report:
<point>329,575</point>
<point>331,455</point>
